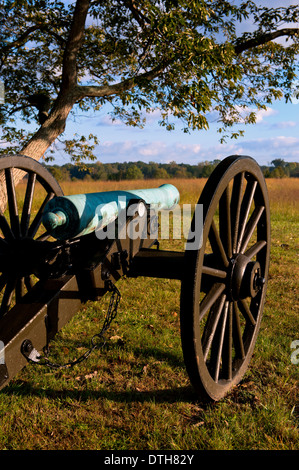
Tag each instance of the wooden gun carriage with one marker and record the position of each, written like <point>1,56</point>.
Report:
<point>53,261</point>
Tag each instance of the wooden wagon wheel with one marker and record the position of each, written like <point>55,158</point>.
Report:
<point>225,280</point>
<point>20,223</point>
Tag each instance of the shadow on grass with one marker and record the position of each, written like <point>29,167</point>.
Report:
<point>22,388</point>
<point>82,392</point>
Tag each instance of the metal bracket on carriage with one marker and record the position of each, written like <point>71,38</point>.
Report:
<point>29,351</point>
<point>59,259</point>
<point>119,260</point>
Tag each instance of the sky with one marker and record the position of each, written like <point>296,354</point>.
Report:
<point>275,135</point>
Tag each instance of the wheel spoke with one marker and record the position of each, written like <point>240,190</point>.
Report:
<point>245,209</point>
<point>244,309</point>
<point>210,299</point>
<point>43,237</point>
<point>28,204</point>
<point>28,282</point>
<point>12,202</point>
<point>236,200</point>
<point>238,339</point>
<point>211,326</point>
<point>225,222</point>
<point>217,353</point>
<point>38,218</point>
<point>255,249</point>
<point>227,356</point>
<point>3,281</point>
<point>251,226</point>
<point>7,296</point>
<point>218,273</point>
<point>217,245</point>
<point>20,289</point>
<point>6,230</point>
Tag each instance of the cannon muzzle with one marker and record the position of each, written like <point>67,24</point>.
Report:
<point>76,215</point>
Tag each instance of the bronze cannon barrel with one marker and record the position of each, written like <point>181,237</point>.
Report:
<point>72,216</point>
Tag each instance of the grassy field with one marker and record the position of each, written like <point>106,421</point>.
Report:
<point>136,394</point>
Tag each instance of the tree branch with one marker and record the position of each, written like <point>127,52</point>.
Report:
<point>264,38</point>
<point>137,14</point>
<point>74,41</point>
<point>125,85</point>
<point>22,38</point>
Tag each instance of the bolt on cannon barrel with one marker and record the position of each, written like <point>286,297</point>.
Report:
<point>76,215</point>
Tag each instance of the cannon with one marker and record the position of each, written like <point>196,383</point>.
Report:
<point>57,252</point>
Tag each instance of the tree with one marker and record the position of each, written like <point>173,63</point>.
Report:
<point>160,173</point>
<point>278,172</point>
<point>182,57</point>
<point>278,162</point>
<point>133,173</point>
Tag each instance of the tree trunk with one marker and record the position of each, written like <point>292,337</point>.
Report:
<point>50,130</point>
<point>41,141</point>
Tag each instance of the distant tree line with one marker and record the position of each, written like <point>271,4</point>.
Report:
<point>140,170</point>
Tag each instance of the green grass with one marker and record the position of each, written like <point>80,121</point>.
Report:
<point>136,394</point>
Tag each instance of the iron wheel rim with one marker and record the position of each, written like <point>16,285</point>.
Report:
<point>219,330</point>
<point>19,225</point>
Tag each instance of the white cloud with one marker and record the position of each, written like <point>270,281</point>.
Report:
<point>107,121</point>
<point>261,114</point>
<point>147,151</point>
<point>193,148</point>
<point>284,141</point>
<point>152,149</point>
<point>284,125</point>
<point>264,150</point>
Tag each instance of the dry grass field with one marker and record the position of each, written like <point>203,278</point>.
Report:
<point>135,395</point>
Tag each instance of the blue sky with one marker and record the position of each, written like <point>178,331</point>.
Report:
<point>275,135</point>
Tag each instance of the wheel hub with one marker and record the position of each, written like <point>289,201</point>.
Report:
<point>245,277</point>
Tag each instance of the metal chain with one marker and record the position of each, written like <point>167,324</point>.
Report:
<point>95,343</point>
